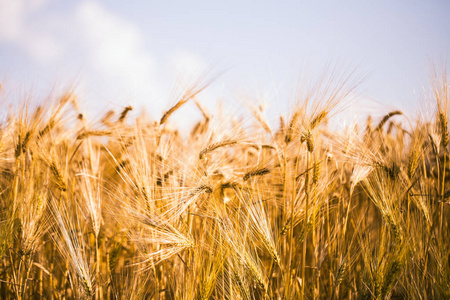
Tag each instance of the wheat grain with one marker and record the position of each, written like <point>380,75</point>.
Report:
<point>124,113</point>
<point>258,172</point>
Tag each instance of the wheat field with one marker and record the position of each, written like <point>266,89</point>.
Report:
<point>123,206</point>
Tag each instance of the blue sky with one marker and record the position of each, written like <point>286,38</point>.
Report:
<point>139,52</point>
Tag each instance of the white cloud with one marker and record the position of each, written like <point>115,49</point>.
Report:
<point>87,39</point>
<point>17,28</point>
<point>12,15</point>
<point>115,47</point>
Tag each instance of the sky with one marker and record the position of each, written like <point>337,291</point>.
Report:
<point>144,53</point>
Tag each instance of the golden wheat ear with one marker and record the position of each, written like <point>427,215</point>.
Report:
<point>71,245</point>
<point>124,113</point>
<point>215,146</point>
<point>189,94</point>
<point>386,118</point>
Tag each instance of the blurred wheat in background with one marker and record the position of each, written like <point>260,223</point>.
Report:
<point>121,206</point>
